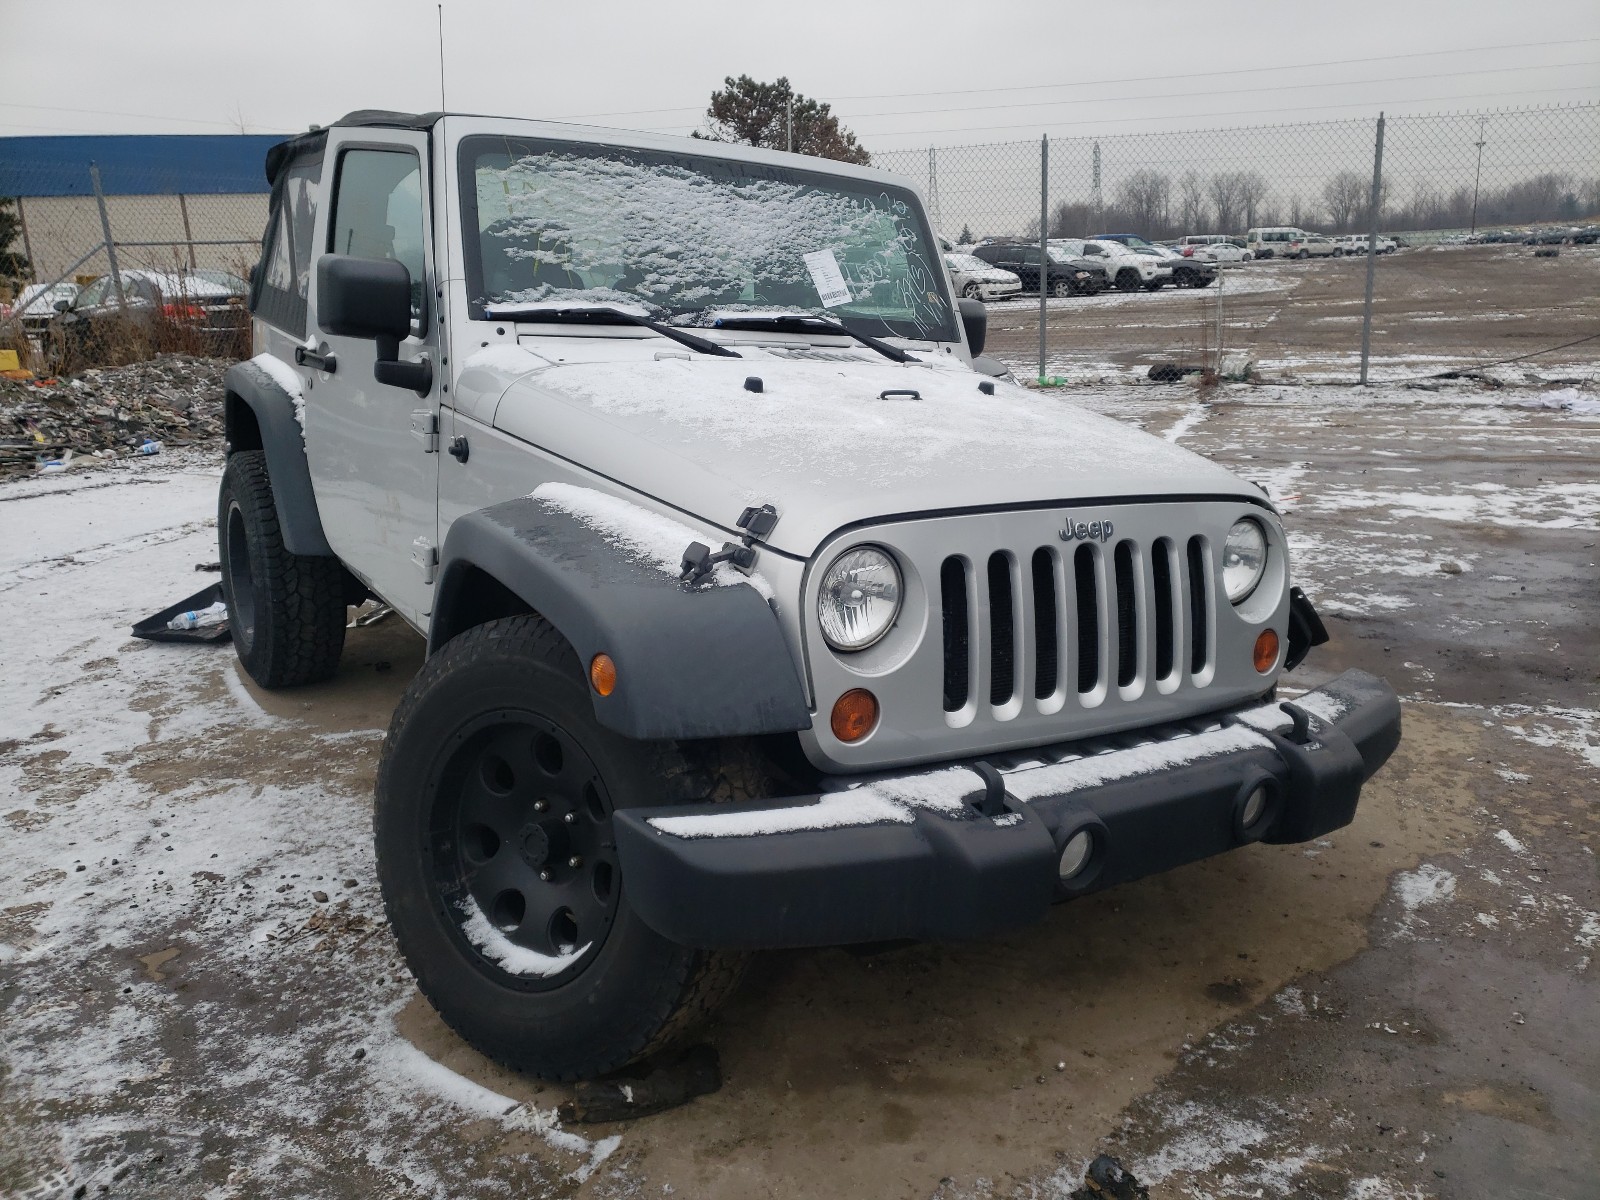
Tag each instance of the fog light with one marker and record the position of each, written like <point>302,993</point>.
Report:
<point>1254,806</point>
<point>1266,651</point>
<point>1075,855</point>
<point>855,714</point>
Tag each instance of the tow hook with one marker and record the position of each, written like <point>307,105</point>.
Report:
<point>993,803</point>
<point>1300,734</point>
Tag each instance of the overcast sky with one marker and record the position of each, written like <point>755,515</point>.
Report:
<point>899,74</point>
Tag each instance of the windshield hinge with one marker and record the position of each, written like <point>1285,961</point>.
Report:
<point>425,557</point>
<point>698,560</point>
<point>425,428</point>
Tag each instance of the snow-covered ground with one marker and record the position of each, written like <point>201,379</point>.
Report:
<point>199,996</point>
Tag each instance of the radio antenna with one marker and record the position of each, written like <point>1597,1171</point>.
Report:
<point>442,106</point>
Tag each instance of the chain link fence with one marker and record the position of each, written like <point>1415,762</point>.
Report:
<point>1468,199</point>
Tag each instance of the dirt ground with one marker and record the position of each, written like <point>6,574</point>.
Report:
<point>198,995</point>
<point>1434,309</point>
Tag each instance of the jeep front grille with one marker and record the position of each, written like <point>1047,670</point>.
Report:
<point>1127,617</point>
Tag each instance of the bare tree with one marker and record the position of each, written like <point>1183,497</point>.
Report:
<point>1227,198</point>
<point>1346,197</point>
<point>1146,199</point>
<point>1252,191</point>
<point>1191,201</point>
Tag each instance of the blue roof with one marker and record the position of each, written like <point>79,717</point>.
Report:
<point>136,164</point>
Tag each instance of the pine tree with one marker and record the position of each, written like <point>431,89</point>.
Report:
<point>13,263</point>
<point>966,234</point>
<point>758,114</point>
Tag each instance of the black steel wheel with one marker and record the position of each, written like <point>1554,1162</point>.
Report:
<point>493,830</point>
<point>522,848</point>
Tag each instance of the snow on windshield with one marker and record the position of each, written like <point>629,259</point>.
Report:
<point>683,234</point>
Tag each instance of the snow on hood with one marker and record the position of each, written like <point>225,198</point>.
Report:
<point>822,444</point>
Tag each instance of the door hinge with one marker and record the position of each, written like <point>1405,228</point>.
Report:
<point>425,556</point>
<point>425,428</point>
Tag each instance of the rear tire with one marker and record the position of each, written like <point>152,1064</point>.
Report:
<point>493,835</point>
<point>286,611</point>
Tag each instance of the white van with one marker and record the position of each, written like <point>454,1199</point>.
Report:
<point>1275,241</point>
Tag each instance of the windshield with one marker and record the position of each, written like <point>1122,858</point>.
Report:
<point>684,235</point>
<point>1060,254</point>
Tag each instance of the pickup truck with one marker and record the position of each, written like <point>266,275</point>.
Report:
<point>755,616</point>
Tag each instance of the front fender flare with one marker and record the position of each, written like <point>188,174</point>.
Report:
<point>284,443</point>
<point>692,661</point>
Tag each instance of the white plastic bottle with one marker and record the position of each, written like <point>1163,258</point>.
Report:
<point>215,615</point>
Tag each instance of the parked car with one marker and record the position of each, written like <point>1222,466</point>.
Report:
<point>1356,243</point>
<point>1586,235</point>
<point>978,280</point>
<point>35,305</point>
<point>755,632</point>
<point>1069,275</point>
<point>1127,269</point>
<point>209,303</point>
<point>1546,237</point>
<point>1274,241</point>
<point>1221,252</point>
<point>1316,245</point>
<point>1186,272</point>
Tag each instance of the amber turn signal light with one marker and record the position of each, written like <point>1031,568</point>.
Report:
<point>1266,651</point>
<point>603,674</point>
<point>854,715</point>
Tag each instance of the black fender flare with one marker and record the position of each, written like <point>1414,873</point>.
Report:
<point>284,443</point>
<point>692,661</point>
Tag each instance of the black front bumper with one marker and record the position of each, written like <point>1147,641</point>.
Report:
<point>936,854</point>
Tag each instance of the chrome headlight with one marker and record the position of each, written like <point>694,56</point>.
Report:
<point>859,598</point>
<point>1244,559</point>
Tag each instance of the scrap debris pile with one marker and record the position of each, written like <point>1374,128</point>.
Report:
<point>172,400</point>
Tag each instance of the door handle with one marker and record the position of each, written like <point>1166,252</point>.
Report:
<point>323,362</point>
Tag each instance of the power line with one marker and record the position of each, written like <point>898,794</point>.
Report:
<point>1252,112</point>
<point>1273,87</point>
<point>105,112</point>
<point>650,112</point>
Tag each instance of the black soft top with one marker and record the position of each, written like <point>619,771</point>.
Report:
<point>371,118</point>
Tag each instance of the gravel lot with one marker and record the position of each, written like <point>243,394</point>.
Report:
<point>1434,309</point>
<point>198,995</point>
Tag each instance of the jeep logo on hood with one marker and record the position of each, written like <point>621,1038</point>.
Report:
<point>1081,531</point>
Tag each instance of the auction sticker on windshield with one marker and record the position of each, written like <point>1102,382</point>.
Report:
<point>827,278</point>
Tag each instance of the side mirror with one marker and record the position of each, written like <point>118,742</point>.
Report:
<point>371,298</point>
<point>62,305</point>
<point>975,320</point>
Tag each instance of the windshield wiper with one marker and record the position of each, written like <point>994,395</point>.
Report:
<point>610,316</point>
<point>800,322</point>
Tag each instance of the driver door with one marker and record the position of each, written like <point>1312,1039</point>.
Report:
<point>372,447</point>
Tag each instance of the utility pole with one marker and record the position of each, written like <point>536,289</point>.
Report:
<point>1098,199</point>
<point>788,123</point>
<point>1478,174</point>
<point>1372,250</point>
<point>1044,240</point>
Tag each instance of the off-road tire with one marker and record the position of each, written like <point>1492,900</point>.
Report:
<point>1128,280</point>
<point>634,993</point>
<point>286,611</point>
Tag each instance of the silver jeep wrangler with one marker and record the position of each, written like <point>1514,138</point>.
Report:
<point>756,617</point>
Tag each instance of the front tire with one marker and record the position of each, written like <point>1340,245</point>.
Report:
<point>1061,289</point>
<point>286,611</point>
<point>972,292</point>
<point>1128,281</point>
<point>498,862</point>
